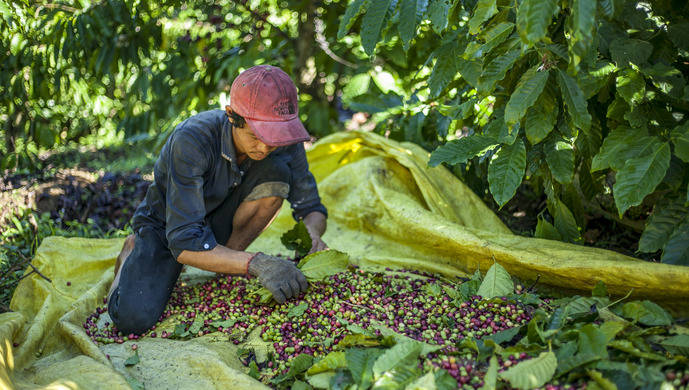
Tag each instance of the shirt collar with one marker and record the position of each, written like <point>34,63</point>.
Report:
<point>228,151</point>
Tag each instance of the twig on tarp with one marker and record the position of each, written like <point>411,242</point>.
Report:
<point>34,269</point>
<point>530,289</point>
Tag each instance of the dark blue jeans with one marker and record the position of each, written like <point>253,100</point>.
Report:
<point>150,272</point>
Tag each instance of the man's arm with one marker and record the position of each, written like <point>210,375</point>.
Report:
<point>220,259</point>
<point>316,224</point>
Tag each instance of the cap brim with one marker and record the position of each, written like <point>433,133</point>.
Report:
<point>279,133</point>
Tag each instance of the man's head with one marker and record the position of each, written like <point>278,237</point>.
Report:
<point>265,99</point>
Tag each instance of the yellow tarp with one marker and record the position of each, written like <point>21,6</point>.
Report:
<point>387,208</point>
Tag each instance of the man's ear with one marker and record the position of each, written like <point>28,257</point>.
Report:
<point>228,109</point>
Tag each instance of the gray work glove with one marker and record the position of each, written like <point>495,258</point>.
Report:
<point>281,277</point>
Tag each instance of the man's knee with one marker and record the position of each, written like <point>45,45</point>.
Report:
<point>134,320</point>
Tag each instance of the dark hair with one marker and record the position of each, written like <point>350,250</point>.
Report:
<point>237,120</point>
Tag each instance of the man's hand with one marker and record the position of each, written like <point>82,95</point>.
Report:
<point>281,277</point>
<point>315,224</point>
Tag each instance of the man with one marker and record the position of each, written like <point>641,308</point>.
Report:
<point>220,180</point>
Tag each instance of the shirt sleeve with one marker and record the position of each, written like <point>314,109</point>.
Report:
<point>185,211</point>
<point>303,193</point>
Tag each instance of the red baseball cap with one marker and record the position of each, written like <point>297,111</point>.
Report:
<point>267,99</point>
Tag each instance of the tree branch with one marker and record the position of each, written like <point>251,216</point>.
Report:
<point>323,43</point>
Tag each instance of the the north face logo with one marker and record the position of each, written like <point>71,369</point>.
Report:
<point>284,108</point>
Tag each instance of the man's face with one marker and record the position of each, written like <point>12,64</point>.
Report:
<point>246,142</point>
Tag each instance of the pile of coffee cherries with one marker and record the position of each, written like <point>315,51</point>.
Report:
<point>414,304</point>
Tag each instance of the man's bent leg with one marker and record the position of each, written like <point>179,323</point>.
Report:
<point>147,278</point>
<point>252,206</point>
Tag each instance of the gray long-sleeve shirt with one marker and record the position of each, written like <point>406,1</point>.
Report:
<point>197,169</point>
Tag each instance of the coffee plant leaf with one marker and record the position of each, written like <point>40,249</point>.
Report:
<point>461,150</point>
<point>676,250</point>
<point>621,142</point>
<point>445,68</point>
<point>678,345</point>
<point>444,381</point>
<point>666,217</point>
<point>506,171</point>
<point>407,24</point>
<point>640,176</point>
<point>320,265</point>
<point>592,341</point>
<point>545,229</point>
<point>331,362</point>
<point>485,9</point>
<point>631,86</point>
<point>496,35</point>
<point>564,220</point>
<point>531,373</point>
<point>298,239</point>
<point>625,51</point>
<point>680,141</point>
<point>357,86</point>
<point>398,354</point>
<point>528,89</point>
<point>354,9</point>
<point>560,158</point>
<point>373,21</point>
<point>497,68</point>
<point>533,19</point>
<point>496,283</point>
<point>574,100</point>
<point>647,313</point>
<point>426,382</point>
<point>583,21</point>
<point>438,11</point>
<point>541,118</point>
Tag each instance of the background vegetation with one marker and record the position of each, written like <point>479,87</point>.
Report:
<point>576,109</point>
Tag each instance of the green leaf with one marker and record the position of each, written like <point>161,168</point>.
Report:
<point>298,238</point>
<point>321,380</point>
<point>541,118</point>
<point>678,345</point>
<point>438,11</point>
<point>631,86</point>
<point>583,22</point>
<point>600,290</point>
<point>575,361</point>
<point>676,251</point>
<point>299,385</point>
<point>532,373</point>
<point>426,382</point>
<point>592,341</point>
<point>640,176</point>
<point>196,326</point>
<point>506,171</point>
<point>620,144</point>
<point>564,221</point>
<point>678,33</point>
<point>320,265</point>
<point>354,9</point>
<point>680,139</point>
<point>444,381</point>
<point>407,24</point>
<point>624,51</point>
<point>627,346</point>
<point>496,283</point>
<point>358,340</point>
<point>545,229</point>
<point>496,69</point>
<point>132,360</point>
<point>666,216</point>
<point>445,68</point>
<point>357,86</point>
<point>529,88</point>
<point>574,100</point>
<point>647,313</point>
<point>397,378</point>
<point>372,24</point>
<point>490,380</point>
<point>533,19</point>
<point>360,363</point>
<point>332,361</point>
<point>485,9</point>
<point>504,335</point>
<point>299,364</point>
<point>608,8</point>
<point>496,35</point>
<point>297,311</point>
<point>459,151</point>
<point>499,131</point>
<point>401,352</point>
<point>560,158</point>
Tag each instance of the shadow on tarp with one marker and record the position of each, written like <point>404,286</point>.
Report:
<point>387,208</point>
